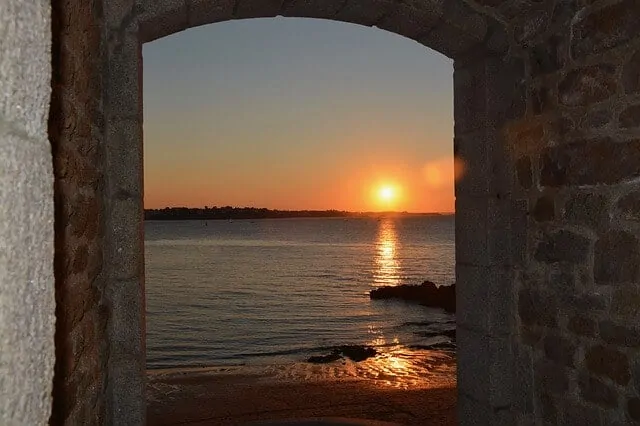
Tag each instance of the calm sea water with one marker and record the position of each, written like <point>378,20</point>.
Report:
<point>272,291</point>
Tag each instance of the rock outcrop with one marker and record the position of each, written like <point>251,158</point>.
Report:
<point>427,294</point>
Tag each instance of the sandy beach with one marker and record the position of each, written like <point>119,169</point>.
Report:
<point>377,389</point>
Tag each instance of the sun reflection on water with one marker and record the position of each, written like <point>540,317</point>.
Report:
<point>387,265</point>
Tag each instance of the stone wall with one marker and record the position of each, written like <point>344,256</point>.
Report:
<point>547,124</point>
<point>76,126</point>
<point>577,157</point>
<point>26,215</point>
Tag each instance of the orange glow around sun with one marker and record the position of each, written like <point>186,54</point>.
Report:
<point>386,195</point>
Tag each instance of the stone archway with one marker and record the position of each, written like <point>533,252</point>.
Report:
<point>546,216</point>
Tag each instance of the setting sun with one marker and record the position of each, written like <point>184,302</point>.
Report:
<point>386,193</point>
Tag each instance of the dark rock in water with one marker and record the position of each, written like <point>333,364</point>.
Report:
<point>325,359</point>
<point>427,294</point>
<point>355,353</point>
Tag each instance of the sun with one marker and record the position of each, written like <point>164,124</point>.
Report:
<point>386,193</point>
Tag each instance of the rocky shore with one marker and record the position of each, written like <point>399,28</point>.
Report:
<point>426,294</point>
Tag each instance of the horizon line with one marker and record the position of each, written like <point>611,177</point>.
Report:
<point>299,210</point>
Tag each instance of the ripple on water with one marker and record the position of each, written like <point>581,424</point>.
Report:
<point>397,367</point>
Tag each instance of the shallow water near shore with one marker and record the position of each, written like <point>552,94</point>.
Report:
<point>270,293</point>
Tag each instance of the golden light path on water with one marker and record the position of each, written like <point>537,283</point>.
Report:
<point>395,365</point>
<point>387,265</point>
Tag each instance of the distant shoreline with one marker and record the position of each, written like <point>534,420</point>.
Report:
<point>240,213</point>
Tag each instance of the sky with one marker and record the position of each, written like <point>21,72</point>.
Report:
<point>291,113</point>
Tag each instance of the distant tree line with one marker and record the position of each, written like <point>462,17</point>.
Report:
<point>228,212</point>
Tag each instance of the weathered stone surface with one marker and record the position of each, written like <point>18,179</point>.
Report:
<point>584,208</point>
<point>544,209</point>
<point>524,172</point>
<point>631,74</point>
<point>633,408</point>
<point>535,308</point>
<point>608,362</point>
<point>582,326</point>
<point>559,349</point>
<point>588,85</point>
<point>551,377</point>
<point>617,258</point>
<point>546,57</point>
<point>590,162</point>
<point>630,117</point>
<point>563,246</point>
<point>619,335</point>
<point>605,27</point>
<point>203,12</point>
<point>629,206</point>
<point>577,413</point>
<point>594,390</point>
<point>625,302</point>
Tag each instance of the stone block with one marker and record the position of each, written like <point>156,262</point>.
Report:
<point>588,85</point>
<point>550,378</point>
<point>202,12</point>
<point>322,9</point>
<point>597,392</point>
<point>608,362</point>
<point>460,29</point>
<point>124,83</point>
<point>631,74</point>
<point>485,299</point>
<point>519,231</point>
<point>536,308</point>
<point>412,19</point>
<point>603,28</point>
<point>364,14</point>
<point>246,9</point>
<point>617,258</point>
<point>633,409</point>
<point>582,326</point>
<point>469,99</point>
<point>485,367</point>
<point>563,246</point>
<point>544,209</point>
<point>619,335</point>
<point>577,413</point>
<point>625,302</point>
<point>126,231</point>
<point>523,379</point>
<point>488,169</point>
<point>630,117</point>
<point>126,324</point>
<point>160,18</point>
<point>628,206</point>
<point>590,162</point>
<point>560,349</point>
<point>25,65</point>
<point>120,14</point>
<point>587,208</point>
<point>126,391</point>
<point>524,172</point>
<point>124,157</point>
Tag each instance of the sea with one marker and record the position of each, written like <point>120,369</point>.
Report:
<point>277,291</point>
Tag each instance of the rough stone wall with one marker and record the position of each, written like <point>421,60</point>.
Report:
<point>576,153</point>
<point>76,126</point>
<point>547,101</point>
<point>26,215</point>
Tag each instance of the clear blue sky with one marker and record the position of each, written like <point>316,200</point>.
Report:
<point>296,114</point>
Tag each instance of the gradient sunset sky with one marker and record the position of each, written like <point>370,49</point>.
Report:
<point>297,114</point>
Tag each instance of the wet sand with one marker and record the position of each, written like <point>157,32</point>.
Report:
<point>236,395</point>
